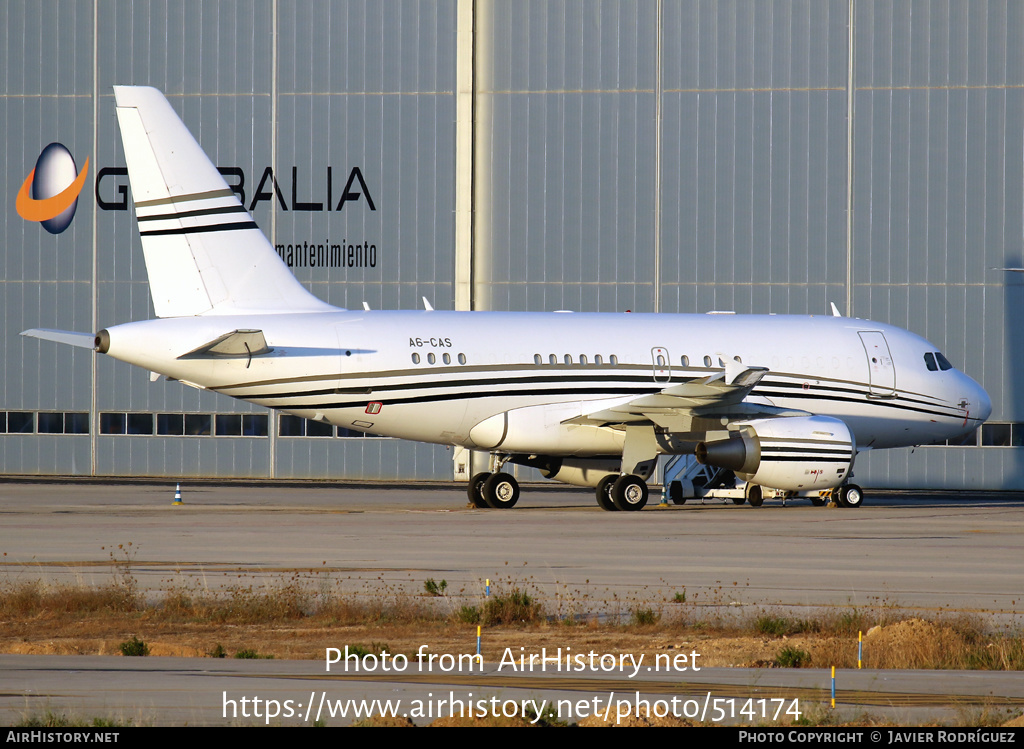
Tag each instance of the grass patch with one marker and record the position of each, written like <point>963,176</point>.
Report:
<point>780,626</point>
<point>644,617</point>
<point>434,588</point>
<point>50,719</point>
<point>514,607</point>
<point>285,617</point>
<point>252,655</point>
<point>790,657</point>
<point>134,647</point>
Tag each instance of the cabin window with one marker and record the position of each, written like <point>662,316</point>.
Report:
<point>598,360</point>
<point>415,358</point>
<point>661,360</point>
<point>929,361</point>
<point>537,360</point>
<point>684,360</point>
<point>431,359</point>
<point>707,361</point>
<point>613,360</point>
<point>552,359</point>
<point>447,358</point>
<point>583,358</point>
<point>462,358</point>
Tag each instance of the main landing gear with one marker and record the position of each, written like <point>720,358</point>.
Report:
<point>498,491</point>
<point>628,493</point>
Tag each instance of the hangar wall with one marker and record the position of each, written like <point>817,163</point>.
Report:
<point>645,155</point>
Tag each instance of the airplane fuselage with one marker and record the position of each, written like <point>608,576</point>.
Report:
<point>436,376</point>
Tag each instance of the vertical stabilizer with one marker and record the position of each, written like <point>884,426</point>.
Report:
<point>204,253</point>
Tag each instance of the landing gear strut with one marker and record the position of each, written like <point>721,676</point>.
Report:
<point>497,490</point>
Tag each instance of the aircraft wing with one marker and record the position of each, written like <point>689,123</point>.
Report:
<point>680,407</point>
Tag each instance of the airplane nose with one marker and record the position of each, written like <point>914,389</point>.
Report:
<point>976,400</point>
<point>982,403</point>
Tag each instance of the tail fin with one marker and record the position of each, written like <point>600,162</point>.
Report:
<point>204,253</point>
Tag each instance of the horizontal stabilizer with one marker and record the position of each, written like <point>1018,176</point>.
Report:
<point>81,340</point>
<point>238,344</point>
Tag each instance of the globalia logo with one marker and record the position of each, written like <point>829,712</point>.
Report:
<point>49,194</point>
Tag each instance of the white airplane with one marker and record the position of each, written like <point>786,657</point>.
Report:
<point>786,402</point>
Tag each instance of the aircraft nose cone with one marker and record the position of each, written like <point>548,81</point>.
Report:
<point>982,403</point>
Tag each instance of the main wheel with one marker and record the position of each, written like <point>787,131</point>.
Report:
<point>501,491</point>
<point>476,490</point>
<point>851,495</point>
<point>755,495</point>
<point>675,493</point>
<point>604,493</point>
<point>629,493</point>
<point>818,501</point>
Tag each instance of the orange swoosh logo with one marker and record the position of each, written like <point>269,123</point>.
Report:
<point>31,209</point>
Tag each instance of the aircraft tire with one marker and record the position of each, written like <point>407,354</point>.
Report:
<point>851,495</point>
<point>501,491</point>
<point>818,501</point>
<point>739,500</point>
<point>476,490</point>
<point>629,493</point>
<point>755,495</point>
<point>604,496</point>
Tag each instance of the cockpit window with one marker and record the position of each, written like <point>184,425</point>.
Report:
<point>943,362</point>
<point>929,360</point>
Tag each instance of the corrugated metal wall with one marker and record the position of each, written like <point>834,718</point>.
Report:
<point>678,156</point>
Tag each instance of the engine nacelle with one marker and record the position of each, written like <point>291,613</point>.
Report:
<point>794,453</point>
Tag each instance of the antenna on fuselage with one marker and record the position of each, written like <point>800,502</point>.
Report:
<point>835,309</point>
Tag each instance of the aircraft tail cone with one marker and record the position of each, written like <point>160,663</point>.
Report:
<point>177,495</point>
